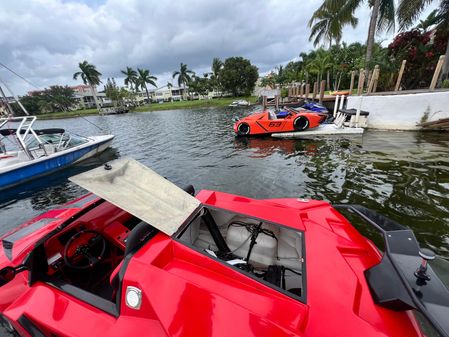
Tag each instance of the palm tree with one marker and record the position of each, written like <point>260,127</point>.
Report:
<point>90,76</point>
<point>431,20</point>
<point>382,17</point>
<point>183,76</point>
<point>217,65</point>
<point>321,63</point>
<point>143,78</point>
<point>409,11</point>
<point>131,77</point>
<point>327,25</point>
<point>280,75</point>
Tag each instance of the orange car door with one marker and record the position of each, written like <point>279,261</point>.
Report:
<point>272,125</point>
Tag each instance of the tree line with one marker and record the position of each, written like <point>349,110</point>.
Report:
<point>236,76</point>
<point>52,99</point>
<point>421,46</point>
<point>328,21</point>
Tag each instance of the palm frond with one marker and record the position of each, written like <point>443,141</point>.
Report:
<point>409,10</point>
<point>386,18</point>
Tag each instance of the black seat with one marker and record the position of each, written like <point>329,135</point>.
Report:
<point>139,235</point>
<point>353,112</point>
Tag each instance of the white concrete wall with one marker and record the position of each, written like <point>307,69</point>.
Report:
<point>404,111</point>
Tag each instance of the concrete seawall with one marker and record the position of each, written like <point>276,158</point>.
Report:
<point>402,111</point>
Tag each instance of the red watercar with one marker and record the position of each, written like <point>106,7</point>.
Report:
<point>266,122</point>
<point>145,258</point>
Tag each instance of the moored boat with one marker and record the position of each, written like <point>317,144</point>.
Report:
<point>144,255</point>
<point>26,153</point>
<point>240,102</point>
<point>267,122</point>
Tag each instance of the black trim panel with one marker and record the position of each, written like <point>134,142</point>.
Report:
<point>393,282</point>
<point>30,327</point>
<point>81,203</point>
<point>8,241</point>
<point>83,295</point>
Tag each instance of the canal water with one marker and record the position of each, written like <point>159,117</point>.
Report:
<point>403,175</point>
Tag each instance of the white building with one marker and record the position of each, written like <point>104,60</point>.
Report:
<point>166,94</point>
<point>85,97</point>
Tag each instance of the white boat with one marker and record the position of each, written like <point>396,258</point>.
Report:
<point>27,153</point>
<point>240,102</point>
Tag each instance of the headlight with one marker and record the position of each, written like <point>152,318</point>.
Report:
<point>133,297</point>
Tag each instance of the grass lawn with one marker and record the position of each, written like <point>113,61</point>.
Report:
<point>65,114</point>
<point>156,107</point>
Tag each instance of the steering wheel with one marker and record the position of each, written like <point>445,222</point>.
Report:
<point>86,245</point>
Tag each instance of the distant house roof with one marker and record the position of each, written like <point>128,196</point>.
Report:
<point>165,87</point>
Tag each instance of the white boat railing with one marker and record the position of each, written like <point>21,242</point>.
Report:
<point>24,130</point>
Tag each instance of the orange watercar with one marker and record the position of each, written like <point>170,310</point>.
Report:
<point>266,122</point>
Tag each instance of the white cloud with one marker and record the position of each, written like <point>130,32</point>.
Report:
<point>45,39</point>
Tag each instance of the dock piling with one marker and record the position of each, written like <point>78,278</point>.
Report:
<point>436,74</point>
<point>352,82</point>
<point>401,72</point>
<point>336,105</point>
<point>315,90</point>
<point>322,89</point>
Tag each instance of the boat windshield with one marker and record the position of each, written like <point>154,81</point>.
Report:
<point>60,141</point>
<point>441,268</point>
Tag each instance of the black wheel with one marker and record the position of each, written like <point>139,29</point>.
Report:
<point>243,129</point>
<point>301,123</point>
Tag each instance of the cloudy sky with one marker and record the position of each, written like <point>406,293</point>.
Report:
<point>44,40</point>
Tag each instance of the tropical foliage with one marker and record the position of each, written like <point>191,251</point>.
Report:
<point>329,19</point>
<point>130,77</point>
<point>238,76</point>
<point>421,49</point>
<point>327,25</point>
<point>335,14</point>
<point>117,95</point>
<point>337,62</point>
<point>90,76</point>
<point>55,98</point>
<point>217,66</point>
<point>184,75</point>
<point>200,85</point>
<point>409,11</point>
<point>143,79</point>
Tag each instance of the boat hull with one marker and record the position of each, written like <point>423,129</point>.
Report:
<point>46,165</point>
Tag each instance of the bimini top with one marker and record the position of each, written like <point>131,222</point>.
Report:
<point>39,132</point>
<point>140,191</point>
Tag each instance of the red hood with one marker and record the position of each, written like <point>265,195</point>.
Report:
<point>188,294</point>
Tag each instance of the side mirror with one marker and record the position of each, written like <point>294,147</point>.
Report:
<point>8,274</point>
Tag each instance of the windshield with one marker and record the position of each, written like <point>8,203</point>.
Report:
<point>76,140</point>
<point>441,268</point>
<point>61,141</point>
